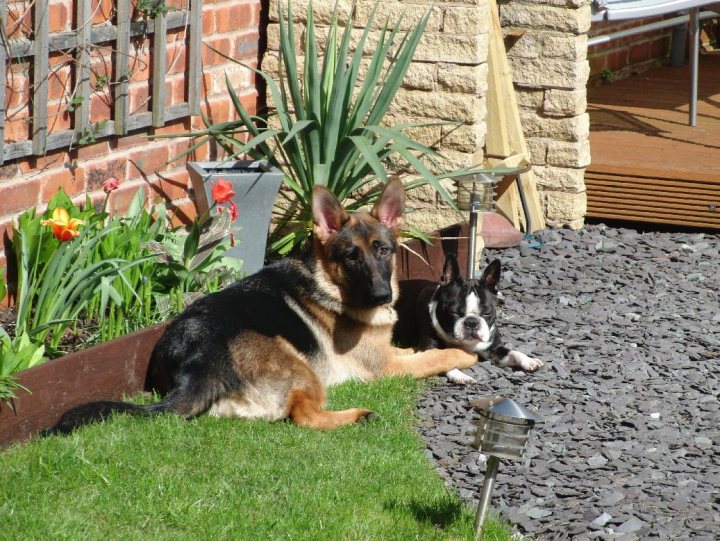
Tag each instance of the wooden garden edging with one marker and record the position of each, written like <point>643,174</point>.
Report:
<point>103,372</point>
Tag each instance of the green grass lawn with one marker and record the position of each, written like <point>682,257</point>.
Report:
<point>167,478</point>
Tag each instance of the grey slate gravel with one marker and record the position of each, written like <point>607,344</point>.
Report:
<point>628,324</point>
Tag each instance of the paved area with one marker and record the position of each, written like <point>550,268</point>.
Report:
<point>628,324</point>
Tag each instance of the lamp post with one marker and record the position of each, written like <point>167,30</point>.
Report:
<point>476,194</point>
<point>502,432</point>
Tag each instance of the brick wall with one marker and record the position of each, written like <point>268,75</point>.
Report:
<point>232,26</point>
<point>625,57</point>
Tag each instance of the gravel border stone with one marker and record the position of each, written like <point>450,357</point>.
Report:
<point>628,324</point>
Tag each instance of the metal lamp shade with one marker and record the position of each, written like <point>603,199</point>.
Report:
<point>476,192</point>
<point>503,429</point>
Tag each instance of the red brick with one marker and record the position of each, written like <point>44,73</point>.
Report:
<point>101,67</point>
<point>139,64</point>
<point>58,82</point>
<point>102,13</point>
<point>18,196</point>
<point>139,94</point>
<point>660,48</point>
<point>17,89</point>
<point>216,109</point>
<point>51,160</point>
<point>639,53</point>
<point>170,186</point>
<point>58,117</point>
<point>208,22</point>
<point>178,94</point>
<point>245,45</point>
<point>129,141</point>
<point>18,23</point>
<point>100,107</point>
<point>617,60</point>
<point>17,127</point>
<point>95,150</point>
<point>147,161</point>
<point>119,200</point>
<point>58,20</point>
<point>183,213</point>
<point>62,178</point>
<point>177,150</point>
<point>9,170</point>
<point>234,16</point>
<point>95,173</point>
<point>175,58</point>
<point>250,100</point>
<point>210,57</point>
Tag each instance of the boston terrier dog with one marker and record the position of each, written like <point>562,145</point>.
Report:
<point>460,313</point>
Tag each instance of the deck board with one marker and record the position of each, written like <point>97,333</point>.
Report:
<point>648,165</point>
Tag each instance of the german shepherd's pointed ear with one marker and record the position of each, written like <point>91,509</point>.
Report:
<point>388,209</point>
<point>491,275</point>
<point>451,270</point>
<point>328,214</point>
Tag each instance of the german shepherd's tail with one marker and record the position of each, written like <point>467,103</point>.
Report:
<point>100,411</point>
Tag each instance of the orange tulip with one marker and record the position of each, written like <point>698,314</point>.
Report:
<point>64,228</point>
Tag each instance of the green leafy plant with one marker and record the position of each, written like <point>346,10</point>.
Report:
<point>16,354</point>
<point>57,278</point>
<point>326,123</point>
<point>115,274</point>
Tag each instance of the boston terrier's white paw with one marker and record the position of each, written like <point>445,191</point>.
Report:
<point>525,362</point>
<point>457,377</point>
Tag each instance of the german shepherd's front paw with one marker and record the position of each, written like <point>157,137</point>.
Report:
<point>461,359</point>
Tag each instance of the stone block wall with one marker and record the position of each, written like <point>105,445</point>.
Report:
<point>448,81</point>
<point>550,72</point>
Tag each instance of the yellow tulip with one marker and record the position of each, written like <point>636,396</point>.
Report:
<point>64,228</point>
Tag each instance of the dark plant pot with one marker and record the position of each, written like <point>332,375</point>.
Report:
<point>119,367</point>
<point>256,185</point>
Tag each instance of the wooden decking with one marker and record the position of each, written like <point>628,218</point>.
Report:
<point>648,165</point>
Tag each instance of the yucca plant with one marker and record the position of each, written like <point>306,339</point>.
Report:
<point>325,123</point>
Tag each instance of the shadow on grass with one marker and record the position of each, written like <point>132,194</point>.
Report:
<point>440,513</point>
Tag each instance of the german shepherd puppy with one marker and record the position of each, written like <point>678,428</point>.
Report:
<point>269,345</point>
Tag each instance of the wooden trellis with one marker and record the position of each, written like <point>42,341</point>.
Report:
<point>79,41</point>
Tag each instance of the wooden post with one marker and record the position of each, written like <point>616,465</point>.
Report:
<point>505,139</point>
<point>40,78</point>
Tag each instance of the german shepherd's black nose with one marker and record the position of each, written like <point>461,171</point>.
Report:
<point>380,294</point>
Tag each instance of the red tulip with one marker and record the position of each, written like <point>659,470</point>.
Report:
<point>110,185</point>
<point>222,192</point>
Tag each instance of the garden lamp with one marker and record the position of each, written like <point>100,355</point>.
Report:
<point>476,194</point>
<point>502,432</point>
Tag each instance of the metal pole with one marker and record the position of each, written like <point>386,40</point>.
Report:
<point>474,202</point>
<point>486,495</point>
<point>694,36</point>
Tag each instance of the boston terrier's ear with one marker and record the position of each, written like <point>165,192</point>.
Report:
<point>491,276</point>
<point>451,270</point>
